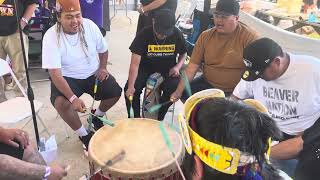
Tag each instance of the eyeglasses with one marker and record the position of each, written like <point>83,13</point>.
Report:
<point>221,16</point>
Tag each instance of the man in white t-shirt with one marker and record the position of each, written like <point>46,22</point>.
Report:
<point>76,54</point>
<point>288,85</point>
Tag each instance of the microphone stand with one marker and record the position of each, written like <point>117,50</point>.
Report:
<point>29,89</point>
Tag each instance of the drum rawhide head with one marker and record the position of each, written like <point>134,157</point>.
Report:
<point>219,157</point>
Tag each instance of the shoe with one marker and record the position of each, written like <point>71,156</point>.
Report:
<point>97,124</point>
<point>86,139</point>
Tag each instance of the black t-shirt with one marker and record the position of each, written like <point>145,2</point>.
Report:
<point>8,22</point>
<point>158,55</point>
<point>169,4</point>
<point>309,158</point>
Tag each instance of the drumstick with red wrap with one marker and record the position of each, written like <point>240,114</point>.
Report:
<point>169,145</point>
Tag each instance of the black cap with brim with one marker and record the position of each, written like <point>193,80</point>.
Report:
<point>228,7</point>
<point>257,56</point>
<point>164,21</point>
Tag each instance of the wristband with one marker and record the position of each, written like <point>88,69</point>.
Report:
<point>25,20</point>
<point>73,97</point>
<point>47,173</point>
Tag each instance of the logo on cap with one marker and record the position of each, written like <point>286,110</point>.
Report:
<point>247,63</point>
<point>246,74</point>
<point>267,61</point>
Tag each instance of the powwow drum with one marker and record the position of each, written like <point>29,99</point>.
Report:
<point>135,149</point>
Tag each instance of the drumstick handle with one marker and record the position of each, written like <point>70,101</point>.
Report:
<point>116,158</point>
<point>179,168</point>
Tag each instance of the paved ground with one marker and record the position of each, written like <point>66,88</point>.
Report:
<point>70,149</point>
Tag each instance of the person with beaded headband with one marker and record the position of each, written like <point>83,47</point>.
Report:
<point>76,54</point>
<point>227,140</point>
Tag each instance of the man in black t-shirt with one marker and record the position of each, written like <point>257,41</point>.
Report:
<point>10,38</point>
<point>155,49</point>
<point>147,7</point>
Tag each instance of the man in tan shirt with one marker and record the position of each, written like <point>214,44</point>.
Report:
<point>220,50</point>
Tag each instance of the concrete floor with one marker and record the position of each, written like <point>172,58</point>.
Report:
<point>70,149</point>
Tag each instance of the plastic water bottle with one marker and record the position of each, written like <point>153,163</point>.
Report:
<point>42,144</point>
<point>151,83</point>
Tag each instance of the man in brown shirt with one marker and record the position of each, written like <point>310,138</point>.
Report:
<point>220,50</point>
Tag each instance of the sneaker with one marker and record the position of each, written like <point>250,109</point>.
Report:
<point>97,124</point>
<point>86,139</point>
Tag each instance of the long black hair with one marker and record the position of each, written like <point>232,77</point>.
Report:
<point>236,125</point>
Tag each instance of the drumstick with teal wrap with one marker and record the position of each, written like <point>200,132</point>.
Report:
<point>186,83</point>
<point>169,145</point>
<point>158,106</point>
<point>104,120</point>
<point>131,113</point>
<point>95,88</point>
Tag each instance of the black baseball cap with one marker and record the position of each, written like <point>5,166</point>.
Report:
<point>257,56</point>
<point>227,7</point>
<point>164,21</point>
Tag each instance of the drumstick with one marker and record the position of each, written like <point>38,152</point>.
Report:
<point>158,106</point>
<point>110,162</point>
<point>95,88</point>
<point>169,145</point>
<point>131,113</point>
<point>186,83</point>
<point>116,158</point>
<point>106,121</point>
<point>172,117</point>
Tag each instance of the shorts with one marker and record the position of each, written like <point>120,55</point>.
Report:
<point>108,88</point>
<point>16,152</point>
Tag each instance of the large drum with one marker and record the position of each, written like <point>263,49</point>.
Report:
<point>135,149</point>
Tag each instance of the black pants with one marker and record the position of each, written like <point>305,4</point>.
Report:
<point>199,84</point>
<point>168,86</point>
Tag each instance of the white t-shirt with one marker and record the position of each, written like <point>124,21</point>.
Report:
<point>69,55</point>
<point>293,100</point>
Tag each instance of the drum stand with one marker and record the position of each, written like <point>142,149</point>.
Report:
<point>121,2</point>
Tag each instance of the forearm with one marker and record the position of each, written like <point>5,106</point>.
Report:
<point>29,11</point>
<point>153,5</point>
<point>133,70</point>
<point>190,72</point>
<point>234,98</point>
<point>181,60</point>
<point>103,57</point>
<point>288,149</point>
<point>12,169</point>
<point>61,84</point>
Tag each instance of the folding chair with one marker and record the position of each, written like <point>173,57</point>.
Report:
<point>18,108</point>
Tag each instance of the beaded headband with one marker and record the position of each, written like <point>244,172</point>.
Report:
<point>221,158</point>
